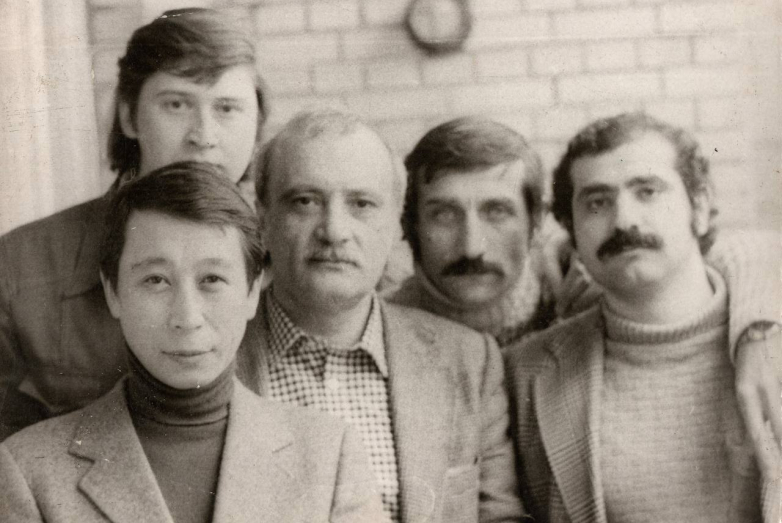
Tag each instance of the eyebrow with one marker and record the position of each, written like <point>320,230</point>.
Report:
<point>650,179</point>
<point>156,261</point>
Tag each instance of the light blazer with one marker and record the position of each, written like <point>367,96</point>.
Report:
<point>279,464</point>
<point>555,378</point>
<point>449,415</point>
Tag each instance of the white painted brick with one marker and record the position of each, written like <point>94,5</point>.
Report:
<point>301,49</point>
<point>509,31</point>
<point>113,3</point>
<point>338,77</point>
<point>717,49</point>
<point>663,52</point>
<point>402,135</point>
<point>723,145</point>
<point>396,73</point>
<point>114,24</point>
<point>384,12</point>
<point>519,120</point>
<point>695,17</point>
<point>607,108</point>
<point>550,152</point>
<point>549,5</point>
<point>494,7</point>
<point>559,123</point>
<point>288,81</point>
<point>397,105</point>
<point>285,108</point>
<point>376,42</point>
<point>720,113</point>
<point>151,10</point>
<point>498,64</point>
<point>605,23</point>
<point>333,14</point>
<point>104,63</point>
<point>700,81</point>
<point>608,56</point>
<point>557,59</point>
<point>602,3</point>
<point>450,69</point>
<point>608,86</point>
<point>508,95</point>
<point>681,113</point>
<point>280,18</point>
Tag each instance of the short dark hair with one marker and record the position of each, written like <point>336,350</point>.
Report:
<point>191,191</point>
<point>195,43</point>
<point>607,134</point>
<point>469,144</point>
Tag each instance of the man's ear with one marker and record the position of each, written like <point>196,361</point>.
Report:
<point>253,297</point>
<point>701,212</point>
<point>126,121</point>
<point>112,300</point>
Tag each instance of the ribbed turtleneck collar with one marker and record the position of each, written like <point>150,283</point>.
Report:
<point>622,330</point>
<point>148,397</point>
<point>515,310</point>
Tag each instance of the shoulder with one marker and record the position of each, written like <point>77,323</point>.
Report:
<point>43,444</point>
<point>539,350</point>
<point>54,241</point>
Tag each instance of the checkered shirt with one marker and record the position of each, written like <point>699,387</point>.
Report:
<point>351,383</point>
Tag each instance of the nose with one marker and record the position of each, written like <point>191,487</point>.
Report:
<point>203,129</point>
<point>186,309</point>
<point>626,212</point>
<point>473,237</point>
<point>335,224</point>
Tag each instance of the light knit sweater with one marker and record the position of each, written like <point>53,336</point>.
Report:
<point>671,439</point>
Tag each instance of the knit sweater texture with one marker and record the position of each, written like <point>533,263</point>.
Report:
<point>182,433</point>
<point>671,440</point>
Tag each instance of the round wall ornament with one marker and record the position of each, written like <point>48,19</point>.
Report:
<point>439,26</point>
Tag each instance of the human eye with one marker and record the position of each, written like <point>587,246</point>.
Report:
<point>444,215</point>
<point>497,211</point>
<point>174,104</point>
<point>647,193</point>
<point>212,282</point>
<point>154,282</point>
<point>304,203</point>
<point>227,108</point>
<point>597,202</point>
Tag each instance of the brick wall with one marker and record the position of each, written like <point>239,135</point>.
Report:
<point>545,67</point>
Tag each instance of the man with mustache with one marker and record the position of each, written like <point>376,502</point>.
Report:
<point>628,411</point>
<point>474,202</point>
<point>188,89</point>
<point>426,394</point>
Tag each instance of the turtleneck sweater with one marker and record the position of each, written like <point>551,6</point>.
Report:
<point>182,433</point>
<point>524,308</point>
<point>671,440</point>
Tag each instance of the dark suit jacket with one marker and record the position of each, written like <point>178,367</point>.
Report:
<point>449,415</point>
<point>279,464</point>
<point>555,377</point>
<point>60,348</point>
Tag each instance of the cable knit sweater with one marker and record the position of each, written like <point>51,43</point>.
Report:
<point>671,444</point>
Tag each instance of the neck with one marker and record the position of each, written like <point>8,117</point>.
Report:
<point>683,295</point>
<point>150,398</point>
<point>339,323</point>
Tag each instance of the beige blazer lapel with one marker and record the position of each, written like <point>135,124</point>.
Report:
<point>421,396</point>
<point>120,481</point>
<point>255,484</point>
<point>567,403</point>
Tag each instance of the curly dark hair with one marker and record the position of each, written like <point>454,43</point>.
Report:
<point>469,144</point>
<point>196,43</point>
<point>607,134</point>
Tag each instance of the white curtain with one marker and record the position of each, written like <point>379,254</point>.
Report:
<point>49,155</point>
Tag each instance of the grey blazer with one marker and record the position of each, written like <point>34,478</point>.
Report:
<point>449,412</point>
<point>279,464</point>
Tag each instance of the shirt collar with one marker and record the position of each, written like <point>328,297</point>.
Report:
<point>284,334</point>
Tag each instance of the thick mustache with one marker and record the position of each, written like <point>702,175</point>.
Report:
<point>623,240</point>
<point>332,256</point>
<point>464,266</point>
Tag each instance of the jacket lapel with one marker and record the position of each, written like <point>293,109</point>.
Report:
<point>120,481</point>
<point>421,399</point>
<point>256,484</point>
<point>567,403</point>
